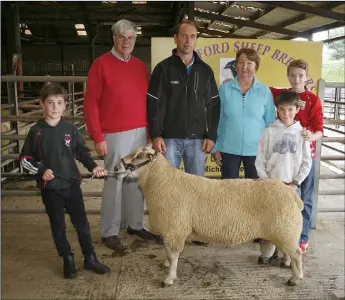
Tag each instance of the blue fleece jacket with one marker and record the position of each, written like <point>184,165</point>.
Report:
<point>242,119</point>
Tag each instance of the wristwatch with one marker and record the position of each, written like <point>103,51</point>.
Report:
<point>295,182</point>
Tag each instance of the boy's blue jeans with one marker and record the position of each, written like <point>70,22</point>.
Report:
<point>307,196</point>
<point>190,150</point>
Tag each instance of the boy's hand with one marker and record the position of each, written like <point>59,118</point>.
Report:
<point>48,175</point>
<point>99,172</point>
<point>306,134</point>
<point>293,185</point>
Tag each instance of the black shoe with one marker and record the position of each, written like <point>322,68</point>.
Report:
<point>113,242</point>
<point>200,243</point>
<point>267,260</point>
<point>257,241</point>
<point>92,263</point>
<point>69,269</point>
<point>142,233</point>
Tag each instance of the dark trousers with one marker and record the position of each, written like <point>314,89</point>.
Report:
<point>231,166</point>
<point>71,199</point>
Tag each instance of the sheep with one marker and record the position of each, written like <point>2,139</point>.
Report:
<point>225,212</point>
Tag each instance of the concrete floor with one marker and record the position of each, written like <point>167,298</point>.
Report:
<point>31,268</point>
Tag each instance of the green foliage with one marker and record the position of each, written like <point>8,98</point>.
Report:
<point>333,66</point>
<point>338,49</point>
<point>333,71</point>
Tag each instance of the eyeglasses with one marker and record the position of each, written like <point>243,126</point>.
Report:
<point>123,38</point>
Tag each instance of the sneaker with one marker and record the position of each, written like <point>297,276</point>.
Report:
<point>303,246</point>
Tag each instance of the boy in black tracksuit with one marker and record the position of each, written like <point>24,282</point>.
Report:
<point>49,152</point>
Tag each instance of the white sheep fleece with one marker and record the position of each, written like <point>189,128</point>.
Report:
<point>225,212</point>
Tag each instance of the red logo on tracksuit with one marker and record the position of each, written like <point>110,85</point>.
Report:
<point>67,140</point>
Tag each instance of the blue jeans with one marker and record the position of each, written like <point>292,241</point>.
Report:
<point>307,196</point>
<point>190,150</point>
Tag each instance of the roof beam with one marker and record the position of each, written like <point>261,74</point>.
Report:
<point>319,29</point>
<point>221,11</point>
<point>286,23</point>
<point>317,11</point>
<point>180,13</point>
<point>335,39</point>
<point>191,5</point>
<point>331,5</point>
<point>106,23</point>
<point>299,18</point>
<point>250,24</point>
<point>73,41</point>
<point>258,15</point>
<point>216,32</point>
<point>99,17</point>
<point>324,27</point>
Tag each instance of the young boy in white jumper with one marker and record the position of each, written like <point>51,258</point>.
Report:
<point>283,153</point>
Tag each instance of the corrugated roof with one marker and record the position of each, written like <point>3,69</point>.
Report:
<point>54,21</point>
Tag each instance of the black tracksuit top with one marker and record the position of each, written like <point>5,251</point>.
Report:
<point>55,148</point>
<point>182,105</point>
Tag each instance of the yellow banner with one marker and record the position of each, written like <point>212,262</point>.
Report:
<point>275,56</point>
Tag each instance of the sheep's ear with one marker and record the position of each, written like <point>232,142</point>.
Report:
<point>137,153</point>
<point>150,150</point>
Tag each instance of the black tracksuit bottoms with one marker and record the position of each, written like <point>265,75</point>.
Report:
<point>71,199</point>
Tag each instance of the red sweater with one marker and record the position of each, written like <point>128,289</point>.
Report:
<point>115,97</point>
<point>310,115</point>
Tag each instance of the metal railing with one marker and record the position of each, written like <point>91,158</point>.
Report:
<point>13,137</point>
<point>339,139</point>
<point>20,122</point>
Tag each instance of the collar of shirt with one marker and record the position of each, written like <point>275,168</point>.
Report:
<point>192,62</point>
<point>189,67</point>
<point>118,56</point>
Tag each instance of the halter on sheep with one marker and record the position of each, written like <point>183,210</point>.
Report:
<point>182,204</point>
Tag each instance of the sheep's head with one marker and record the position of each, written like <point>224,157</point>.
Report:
<point>134,163</point>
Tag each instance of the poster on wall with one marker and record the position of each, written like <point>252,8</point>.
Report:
<point>275,56</point>
<point>227,69</point>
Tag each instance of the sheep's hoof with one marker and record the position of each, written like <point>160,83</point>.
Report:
<point>291,282</point>
<point>164,284</point>
<point>166,264</point>
<point>283,265</point>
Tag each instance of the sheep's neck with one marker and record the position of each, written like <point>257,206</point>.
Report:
<point>155,173</point>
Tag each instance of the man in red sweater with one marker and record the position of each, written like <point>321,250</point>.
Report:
<point>311,118</point>
<point>115,115</point>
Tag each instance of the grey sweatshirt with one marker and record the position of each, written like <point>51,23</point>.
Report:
<point>283,153</point>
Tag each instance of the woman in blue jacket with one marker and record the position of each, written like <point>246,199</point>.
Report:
<point>247,108</point>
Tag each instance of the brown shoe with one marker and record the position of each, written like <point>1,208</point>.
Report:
<point>113,243</point>
<point>142,233</point>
